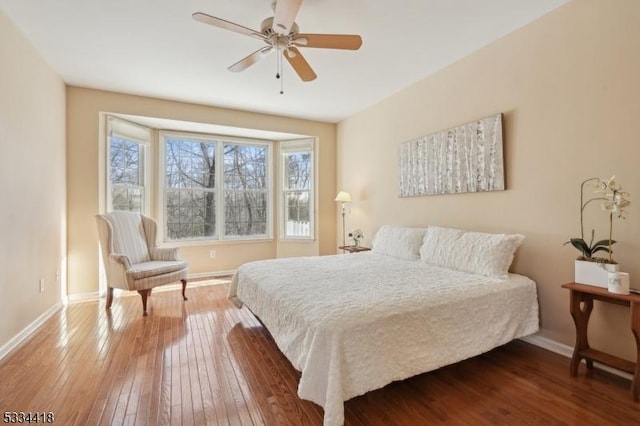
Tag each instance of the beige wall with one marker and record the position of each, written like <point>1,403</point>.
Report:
<point>32,171</point>
<point>569,87</point>
<point>83,109</point>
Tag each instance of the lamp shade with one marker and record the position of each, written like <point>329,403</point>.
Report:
<point>344,197</point>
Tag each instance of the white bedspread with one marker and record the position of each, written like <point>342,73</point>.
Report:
<point>353,323</point>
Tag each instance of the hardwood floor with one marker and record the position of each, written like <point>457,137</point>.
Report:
<point>206,362</point>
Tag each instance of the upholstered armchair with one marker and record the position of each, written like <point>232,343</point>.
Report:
<point>132,260</point>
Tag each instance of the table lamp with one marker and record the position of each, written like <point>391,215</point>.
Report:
<point>343,197</point>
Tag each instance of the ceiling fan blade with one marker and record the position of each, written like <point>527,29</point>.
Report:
<point>245,63</point>
<point>329,41</point>
<point>299,64</point>
<point>221,23</point>
<point>285,15</point>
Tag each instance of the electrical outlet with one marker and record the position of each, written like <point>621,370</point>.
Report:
<point>41,285</point>
<point>58,277</point>
<point>212,254</point>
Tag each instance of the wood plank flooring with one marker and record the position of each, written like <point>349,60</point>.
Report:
<point>205,362</point>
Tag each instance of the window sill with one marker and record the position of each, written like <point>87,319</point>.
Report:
<point>196,243</point>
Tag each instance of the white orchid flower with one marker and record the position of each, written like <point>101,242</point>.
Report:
<point>599,186</point>
<point>608,205</point>
<point>614,200</point>
<point>613,185</point>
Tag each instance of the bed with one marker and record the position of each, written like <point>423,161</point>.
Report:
<point>353,323</point>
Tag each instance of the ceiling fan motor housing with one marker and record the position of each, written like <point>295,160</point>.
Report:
<point>277,40</point>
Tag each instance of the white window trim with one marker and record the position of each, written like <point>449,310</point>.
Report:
<point>220,238</point>
<point>285,147</point>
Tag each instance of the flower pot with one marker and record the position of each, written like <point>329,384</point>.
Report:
<point>593,273</point>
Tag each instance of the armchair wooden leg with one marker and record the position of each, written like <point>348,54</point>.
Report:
<point>109,297</point>
<point>184,288</point>
<point>145,295</point>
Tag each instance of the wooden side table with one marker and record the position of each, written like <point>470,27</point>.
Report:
<point>581,304</point>
<point>353,249</point>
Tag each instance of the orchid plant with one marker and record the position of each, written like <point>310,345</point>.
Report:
<point>356,235</point>
<point>615,201</point>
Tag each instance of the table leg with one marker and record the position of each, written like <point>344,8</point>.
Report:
<point>635,328</point>
<point>581,305</point>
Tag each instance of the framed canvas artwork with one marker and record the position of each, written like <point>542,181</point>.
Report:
<point>467,158</point>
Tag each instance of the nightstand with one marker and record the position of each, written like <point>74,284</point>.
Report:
<point>353,249</point>
<point>581,304</point>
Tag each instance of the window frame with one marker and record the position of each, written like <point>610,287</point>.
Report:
<point>220,141</point>
<point>135,133</point>
<point>288,147</point>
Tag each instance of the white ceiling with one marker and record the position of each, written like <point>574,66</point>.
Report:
<point>154,47</point>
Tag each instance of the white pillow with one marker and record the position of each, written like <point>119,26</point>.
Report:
<point>475,252</point>
<point>398,241</point>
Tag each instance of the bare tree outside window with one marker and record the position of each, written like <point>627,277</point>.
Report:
<point>125,174</point>
<point>245,190</point>
<point>190,188</point>
<point>192,193</point>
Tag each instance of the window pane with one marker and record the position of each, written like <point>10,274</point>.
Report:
<point>124,161</point>
<point>245,167</point>
<point>297,176</point>
<point>128,198</point>
<point>245,213</point>
<point>125,166</point>
<point>190,214</point>
<point>298,170</point>
<point>298,206</point>
<point>245,184</point>
<point>190,197</point>
<point>190,163</point>
<point>297,214</point>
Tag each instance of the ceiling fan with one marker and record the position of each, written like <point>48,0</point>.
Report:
<point>281,34</point>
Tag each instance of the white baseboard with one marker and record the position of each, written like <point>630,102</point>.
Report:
<point>550,345</point>
<point>28,330</point>
<point>190,284</point>
<point>85,297</point>
<point>82,297</point>
<point>567,351</point>
<point>215,274</point>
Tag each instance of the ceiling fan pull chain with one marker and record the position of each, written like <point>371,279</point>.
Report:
<point>278,62</point>
<point>280,70</point>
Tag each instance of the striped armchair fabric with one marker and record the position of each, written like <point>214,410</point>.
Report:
<point>132,260</point>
